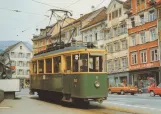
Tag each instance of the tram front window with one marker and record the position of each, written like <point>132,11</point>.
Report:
<point>95,64</point>
<point>75,59</point>
<point>83,62</point>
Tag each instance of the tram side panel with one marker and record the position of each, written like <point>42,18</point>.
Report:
<point>49,82</point>
<point>89,86</point>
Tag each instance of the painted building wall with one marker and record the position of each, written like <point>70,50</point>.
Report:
<point>20,56</point>
<point>143,37</point>
<point>116,45</point>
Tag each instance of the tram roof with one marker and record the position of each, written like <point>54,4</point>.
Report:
<point>66,50</point>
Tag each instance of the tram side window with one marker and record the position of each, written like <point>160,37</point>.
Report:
<point>68,63</point>
<point>41,66</point>
<point>34,67</point>
<point>75,59</point>
<point>57,64</point>
<point>48,65</point>
<point>95,64</point>
<point>83,63</point>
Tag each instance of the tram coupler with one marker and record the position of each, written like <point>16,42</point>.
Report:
<point>100,100</point>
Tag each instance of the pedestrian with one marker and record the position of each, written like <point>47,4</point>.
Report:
<point>141,86</point>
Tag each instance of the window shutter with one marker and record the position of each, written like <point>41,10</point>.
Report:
<point>147,36</point>
<point>17,63</point>
<point>146,17</point>
<point>128,21</point>
<point>136,20</point>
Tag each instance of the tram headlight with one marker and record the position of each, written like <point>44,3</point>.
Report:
<point>97,84</point>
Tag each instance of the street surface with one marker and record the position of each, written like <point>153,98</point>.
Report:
<point>116,104</point>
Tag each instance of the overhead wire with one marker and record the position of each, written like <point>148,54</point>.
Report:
<point>100,4</point>
<point>33,27</point>
<point>73,3</point>
<point>19,11</point>
<point>47,4</point>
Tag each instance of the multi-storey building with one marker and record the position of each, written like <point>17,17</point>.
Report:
<point>20,56</point>
<point>116,42</point>
<point>143,42</point>
<point>48,35</point>
<point>93,27</point>
<point>87,28</point>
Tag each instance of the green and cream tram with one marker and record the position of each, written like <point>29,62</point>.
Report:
<point>71,74</point>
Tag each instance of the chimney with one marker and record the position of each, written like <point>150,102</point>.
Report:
<point>93,8</point>
<point>81,15</point>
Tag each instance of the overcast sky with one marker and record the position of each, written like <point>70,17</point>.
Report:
<point>32,16</point>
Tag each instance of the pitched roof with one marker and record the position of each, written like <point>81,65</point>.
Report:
<point>11,47</point>
<point>101,16</point>
<point>83,17</point>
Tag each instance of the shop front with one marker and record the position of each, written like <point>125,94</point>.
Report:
<point>117,78</point>
<point>140,78</point>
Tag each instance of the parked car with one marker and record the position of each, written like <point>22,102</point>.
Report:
<point>122,89</point>
<point>155,90</point>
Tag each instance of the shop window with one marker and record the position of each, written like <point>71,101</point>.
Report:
<point>68,63</point>
<point>34,67</point>
<point>143,56</point>
<point>95,63</point>
<point>154,54</point>
<point>57,64</point>
<point>41,66</point>
<point>134,58</point>
<point>48,65</point>
<point>83,64</point>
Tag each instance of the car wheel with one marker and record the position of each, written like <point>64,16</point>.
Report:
<point>132,93</point>
<point>152,94</point>
<point>110,92</point>
<point>122,92</point>
<point>160,95</point>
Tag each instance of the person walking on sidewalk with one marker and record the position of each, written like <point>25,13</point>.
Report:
<point>141,86</point>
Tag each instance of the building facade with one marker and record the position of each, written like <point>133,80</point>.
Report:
<point>94,31</point>
<point>48,35</point>
<point>20,56</point>
<point>144,61</point>
<point>116,42</point>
